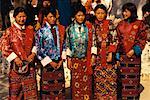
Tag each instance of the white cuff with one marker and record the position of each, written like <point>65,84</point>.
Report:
<point>46,61</point>
<point>11,57</point>
<point>63,55</point>
<point>34,49</point>
<point>68,52</point>
<point>94,50</point>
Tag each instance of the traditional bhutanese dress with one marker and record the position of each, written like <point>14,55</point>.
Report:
<point>78,42</point>
<point>49,46</point>
<point>105,76</point>
<point>17,42</point>
<point>131,35</point>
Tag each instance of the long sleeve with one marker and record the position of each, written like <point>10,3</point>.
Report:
<point>41,53</point>
<point>120,47</point>
<point>7,51</point>
<point>141,36</point>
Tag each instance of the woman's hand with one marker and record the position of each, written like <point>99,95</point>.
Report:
<point>18,61</point>
<point>130,53</point>
<point>54,64</point>
<point>109,57</point>
<point>60,64</point>
<point>31,57</point>
<point>69,63</point>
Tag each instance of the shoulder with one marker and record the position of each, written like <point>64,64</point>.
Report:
<point>30,27</point>
<point>8,31</point>
<point>61,26</point>
<point>88,23</point>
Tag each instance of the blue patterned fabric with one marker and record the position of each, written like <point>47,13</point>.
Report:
<point>45,43</point>
<point>77,40</point>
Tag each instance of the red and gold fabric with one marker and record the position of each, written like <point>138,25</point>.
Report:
<point>81,81</point>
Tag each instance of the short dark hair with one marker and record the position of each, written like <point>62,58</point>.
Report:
<point>146,8</point>
<point>132,8</point>
<point>101,6</point>
<point>78,7</point>
<point>50,10</point>
<point>18,10</point>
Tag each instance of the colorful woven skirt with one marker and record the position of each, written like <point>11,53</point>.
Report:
<point>129,78</point>
<point>105,85</point>
<point>52,83</point>
<point>22,87</point>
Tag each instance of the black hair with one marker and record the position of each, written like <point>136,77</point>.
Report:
<point>18,10</point>
<point>78,7</point>
<point>132,8</point>
<point>146,8</point>
<point>50,10</point>
<point>101,6</point>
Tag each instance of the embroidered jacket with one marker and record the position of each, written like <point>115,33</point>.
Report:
<point>77,39</point>
<point>47,50</point>
<point>17,42</point>
<point>131,36</point>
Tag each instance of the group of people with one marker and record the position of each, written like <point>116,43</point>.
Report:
<point>105,60</point>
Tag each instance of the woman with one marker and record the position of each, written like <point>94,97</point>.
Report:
<point>78,43</point>
<point>105,44</point>
<point>18,49</point>
<point>132,39</point>
<point>49,42</point>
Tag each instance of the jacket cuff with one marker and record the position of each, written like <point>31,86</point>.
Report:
<point>68,52</point>
<point>94,50</point>
<point>63,55</point>
<point>34,49</point>
<point>117,56</point>
<point>137,50</point>
<point>46,61</point>
<point>11,57</point>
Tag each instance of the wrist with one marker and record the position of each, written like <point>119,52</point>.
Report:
<point>16,59</point>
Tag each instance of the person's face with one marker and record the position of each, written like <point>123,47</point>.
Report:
<point>34,2</point>
<point>51,19</point>
<point>21,18</point>
<point>100,14</point>
<point>79,17</point>
<point>126,14</point>
<point>46,3</point>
